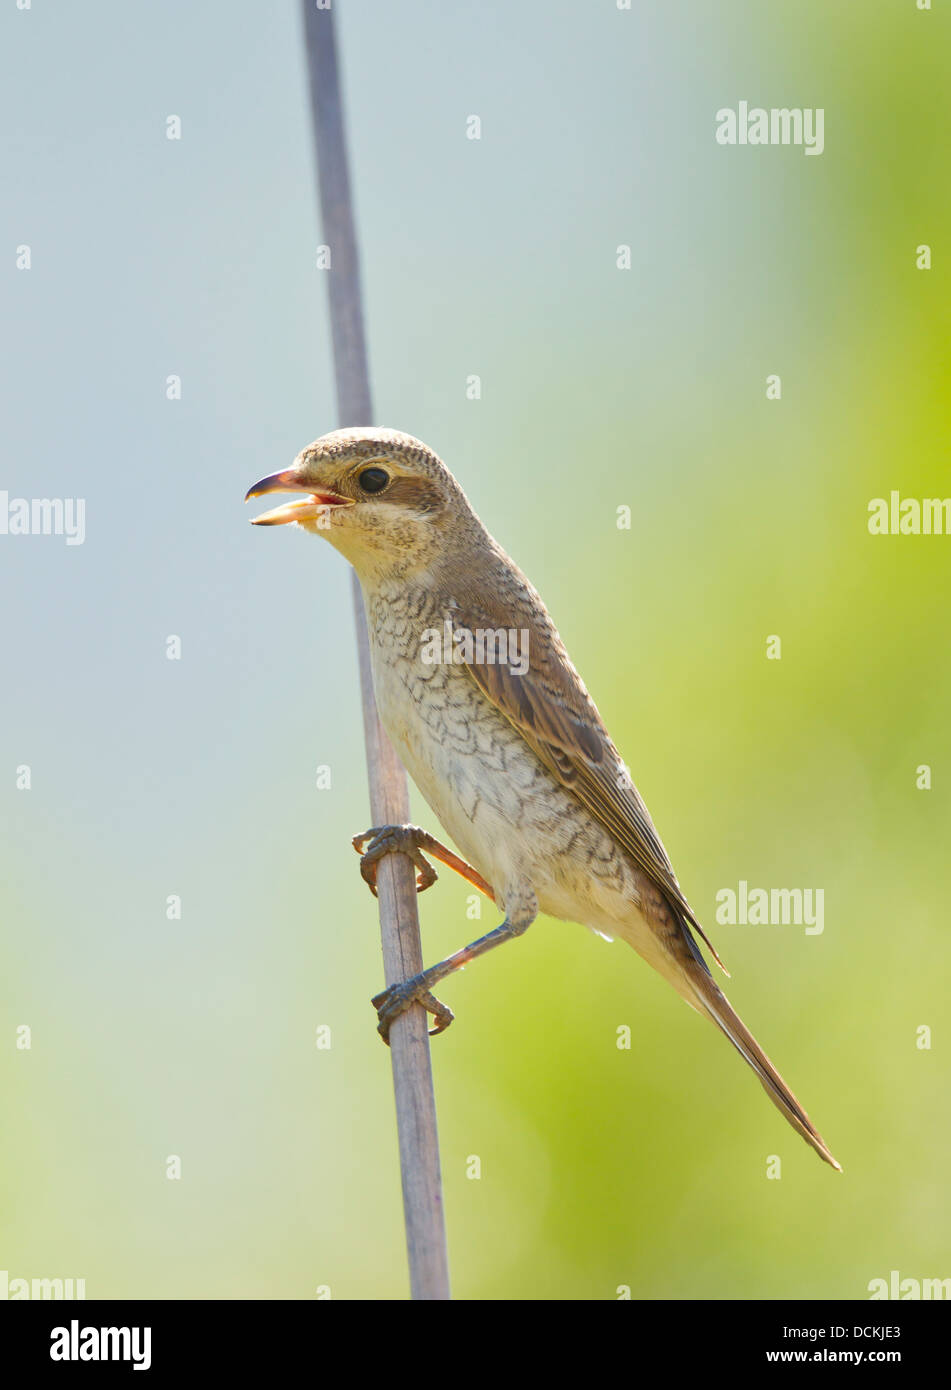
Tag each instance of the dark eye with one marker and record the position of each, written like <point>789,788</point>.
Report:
<point>373,479</point>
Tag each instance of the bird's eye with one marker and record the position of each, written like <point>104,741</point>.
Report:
<point>373,479</point>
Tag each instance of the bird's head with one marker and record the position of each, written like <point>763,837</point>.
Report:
<point>382,498</point>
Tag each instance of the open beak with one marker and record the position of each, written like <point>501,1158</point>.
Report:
<point>308,508</point>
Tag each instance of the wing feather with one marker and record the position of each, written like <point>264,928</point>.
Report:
<point>556,716</point>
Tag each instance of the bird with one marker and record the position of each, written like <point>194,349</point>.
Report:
<point>492,721</point>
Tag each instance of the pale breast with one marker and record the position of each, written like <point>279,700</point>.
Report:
<point>506,813</point>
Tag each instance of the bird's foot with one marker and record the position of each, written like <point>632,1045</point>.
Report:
<point>394,839</point>
<point>395,1000</point>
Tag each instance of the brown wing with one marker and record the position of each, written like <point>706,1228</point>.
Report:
<point>556,716</point>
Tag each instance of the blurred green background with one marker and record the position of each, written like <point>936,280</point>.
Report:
<point>600,1168</point>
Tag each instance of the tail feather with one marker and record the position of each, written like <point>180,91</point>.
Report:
<point>713,1002</point>
<point>666,942</point>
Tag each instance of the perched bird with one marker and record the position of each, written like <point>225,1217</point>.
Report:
<point>494,725</point>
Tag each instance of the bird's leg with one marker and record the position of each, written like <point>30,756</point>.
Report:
<point>392,1002</point>
<point>410,840</point>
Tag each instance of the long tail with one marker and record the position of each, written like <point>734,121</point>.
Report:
<point>712,1001</point>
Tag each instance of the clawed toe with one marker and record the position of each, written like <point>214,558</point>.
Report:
<point>395,1000</point>
<point>392,839</point>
